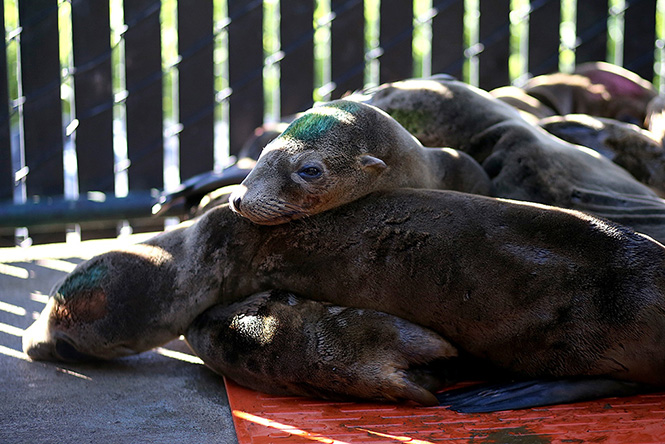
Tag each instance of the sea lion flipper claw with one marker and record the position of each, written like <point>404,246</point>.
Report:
<point>279,343</point>
<point>484,398</point>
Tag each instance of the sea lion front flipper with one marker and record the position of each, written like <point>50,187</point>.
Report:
<point>279,343</point>
<point>484,398</point>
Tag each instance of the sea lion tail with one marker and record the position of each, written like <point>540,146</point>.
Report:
<point>484,398</point>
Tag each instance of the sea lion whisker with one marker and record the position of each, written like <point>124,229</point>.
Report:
<point>264,211</point>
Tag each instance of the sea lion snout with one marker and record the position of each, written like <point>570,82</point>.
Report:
<point>42,342</point>
<point>58,349</point>
<point>46,341</point>
<point>235,199</point>
<point>37,342</point>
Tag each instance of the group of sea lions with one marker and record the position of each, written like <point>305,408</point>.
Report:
<point>353,263</point>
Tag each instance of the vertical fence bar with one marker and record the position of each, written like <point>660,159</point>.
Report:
<point>93,95</point>
<point>591,31</point>
<point>640,29</point>
<point>348,46</point>
<point>448,41</point>
<point>245,70</point>
<point>196,89</point>
<point>41,88</point>
<point>395,36</point>
<point>144,87</point>
<point>421,47</point>
<point>297,66</point>
<point>615,31</point>
<point>659,52</point>
<point>519,41</point>
<point>6,174</point>
<point>544,37</point>
<point>495,38</point>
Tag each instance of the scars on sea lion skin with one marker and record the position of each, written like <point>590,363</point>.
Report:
<point>339,152</point>
<point>523,161</point>
<point>535,290</point>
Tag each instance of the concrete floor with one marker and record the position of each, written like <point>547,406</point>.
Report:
<point>162,396</point>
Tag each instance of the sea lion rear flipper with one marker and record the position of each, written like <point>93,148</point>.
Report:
<point>483,398</point>
<point>280,343</point>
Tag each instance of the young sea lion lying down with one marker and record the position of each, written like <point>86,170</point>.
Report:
<point>523,161</point>
<point>627,145</point>
<point>596,89</point>
<point>339,152</point>
<point>534,290</point>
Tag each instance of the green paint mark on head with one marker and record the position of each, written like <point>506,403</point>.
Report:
<point>81,281</point>
<point>316,122</point>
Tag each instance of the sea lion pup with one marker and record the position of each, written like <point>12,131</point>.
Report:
<point>633,148</point>
<point>339,152</point>
<point>522,160</point>
<point>277,342</point>
<point>535,290</point>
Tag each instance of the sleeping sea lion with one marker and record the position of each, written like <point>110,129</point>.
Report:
<point>535,290</point>
<point>523,161</point>
<point>339,152</point>
<point>532,109</point>
<point>637,150</point>
<point>597,89</point>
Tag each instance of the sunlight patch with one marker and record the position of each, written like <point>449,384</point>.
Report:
<point>14,271</point>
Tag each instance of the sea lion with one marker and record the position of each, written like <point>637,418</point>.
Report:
<point>339,152</point>
<point>522,160</point>
<point>637,150</point>
<point>532,109</point>
<point>280,343</point>
<point>597,89</point>
<point>535,290</point>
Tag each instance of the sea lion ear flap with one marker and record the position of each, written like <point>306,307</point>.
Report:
<point>373,163</point>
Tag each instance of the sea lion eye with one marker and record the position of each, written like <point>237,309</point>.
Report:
<point>309,172</point>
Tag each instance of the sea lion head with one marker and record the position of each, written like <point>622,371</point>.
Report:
<point>331,155</point>
<point>105,308</point>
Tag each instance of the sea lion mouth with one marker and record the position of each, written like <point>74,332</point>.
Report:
<point>271,212</point>
<point>273,219</point>
<point>65,351</point>
<point>41,344</point>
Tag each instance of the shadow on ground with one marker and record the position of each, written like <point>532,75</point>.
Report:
<point>162,396</point>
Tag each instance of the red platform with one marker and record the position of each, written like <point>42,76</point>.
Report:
<point>261,418</point>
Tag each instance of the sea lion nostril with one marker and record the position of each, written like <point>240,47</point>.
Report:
<point>236,202</point>
<point>67,352</point>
